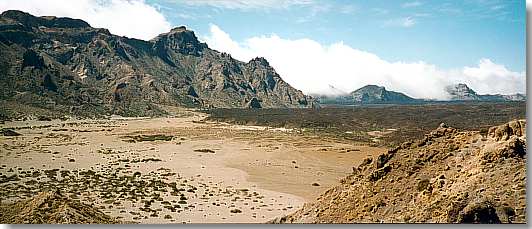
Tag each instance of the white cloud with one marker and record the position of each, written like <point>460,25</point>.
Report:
<point>489,77</point>
<point>408,22</point>
<point>411,4</point>
<point>314,11</point>
<point>311,67</point>
<point>132,18</point>
<point>402,22</point>
<point>247,4</point>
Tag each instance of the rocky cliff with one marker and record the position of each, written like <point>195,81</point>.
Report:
<point>449,176</point>
<point>462,92</point>
<point>65,64</point>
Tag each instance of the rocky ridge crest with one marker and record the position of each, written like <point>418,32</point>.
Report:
<point>64,64</point>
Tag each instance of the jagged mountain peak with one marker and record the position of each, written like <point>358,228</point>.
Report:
<point>461,87</point>
<point>181,28</point>
<point>260,60</point>
<point>47,21</point>
<point>181,40</point>
<point>81,70</point>
<point>462,92</point>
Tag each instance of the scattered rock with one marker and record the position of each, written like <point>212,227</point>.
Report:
<point>483,212</point>
<point>44,118</point>
<point>254,103</point>
<point>236,210</point>
<point>9,132</point>
<point>423,184</point>
<point>204,150</point>
<point>503,132</point>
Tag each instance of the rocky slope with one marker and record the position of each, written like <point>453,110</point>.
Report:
<point>449,176</point>
<point>52,208</point>
<point>461,92</point>
<point>64,64</point>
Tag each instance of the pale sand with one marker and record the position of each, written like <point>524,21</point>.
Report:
<point>264,172</point>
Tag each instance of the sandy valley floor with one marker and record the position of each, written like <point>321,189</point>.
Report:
<point>173,170</point>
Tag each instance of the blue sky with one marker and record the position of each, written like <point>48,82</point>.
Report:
<point>417,47</point>
<point>447,33</point>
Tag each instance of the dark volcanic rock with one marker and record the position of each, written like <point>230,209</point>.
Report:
<point>9,132</point>
<point>372,94</point>
<point>254,103</point>
<point>64,64</point>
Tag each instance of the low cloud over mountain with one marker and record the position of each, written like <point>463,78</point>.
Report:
<point>310,66</point>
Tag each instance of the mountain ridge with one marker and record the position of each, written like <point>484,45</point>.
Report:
<point>375,94</point>
<point>65,64</point>
<point>462,92</point>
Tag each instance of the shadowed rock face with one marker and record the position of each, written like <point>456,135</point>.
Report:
<point>63,63</point>
<point>449,176</point>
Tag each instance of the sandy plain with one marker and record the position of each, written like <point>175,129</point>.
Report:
<point>177,169</point>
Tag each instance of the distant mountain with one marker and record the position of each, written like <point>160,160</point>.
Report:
<point>461,92</point>
<point>65,64</point>
<point>514,97</point>
<point>333,91</point>
<point>369,94</point>
<point>373,94</point>
<point>333,96</point>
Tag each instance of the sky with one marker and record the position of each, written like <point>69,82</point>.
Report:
<point>414,46</point>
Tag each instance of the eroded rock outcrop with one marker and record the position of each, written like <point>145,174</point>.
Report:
<point>449,176</point>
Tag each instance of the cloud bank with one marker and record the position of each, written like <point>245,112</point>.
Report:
<point>131,18</point>
<point>312,67</point>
